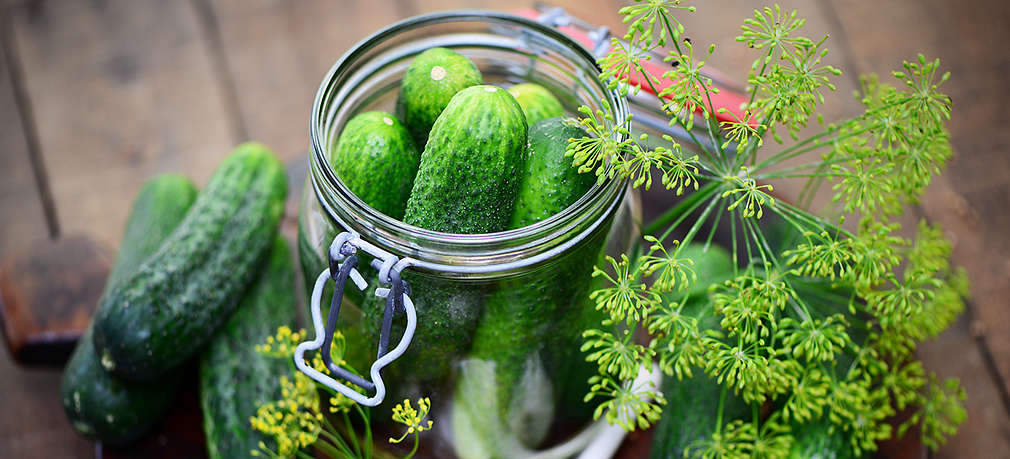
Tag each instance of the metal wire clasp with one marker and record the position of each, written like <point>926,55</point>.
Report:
<point>343,261</point>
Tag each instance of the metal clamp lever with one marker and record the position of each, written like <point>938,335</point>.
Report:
<point>343,261</point>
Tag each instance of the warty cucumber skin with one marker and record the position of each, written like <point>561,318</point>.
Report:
<point>171,305</point>
<point>549,181</point>
<point>524,316</point>
<point>537,102</point>
<point>377,159</point>
<point>469,174</point>
<point>234,378</point>
<point>467,183</point>
<point>98,404</point>
<point>431,80</point>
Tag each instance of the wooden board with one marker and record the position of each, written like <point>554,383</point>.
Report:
<point>954,354</point>
<point>32,423</point>
<point>278,53</point>
<point>21,208</point>
<point>970,199</point>
<point>121,90</point>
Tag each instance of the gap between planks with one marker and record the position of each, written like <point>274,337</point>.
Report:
<point>30,131</point>
<point>211,32</point>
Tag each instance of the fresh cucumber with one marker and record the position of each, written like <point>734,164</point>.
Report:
<point>98,404</point>
<point>170,306</point>
<point>816,440</point>
<point>467,183</point>
<point>376,158</point>
<point>549,183</point>
<point>234,378</point>
<point>690,414</point>
<point>431,80</point>
<point>692,404</point>
<point>537,102</point>
<point>469,174</point>
<point>523,315</point>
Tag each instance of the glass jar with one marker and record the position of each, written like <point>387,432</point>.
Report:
<point>500,315</point>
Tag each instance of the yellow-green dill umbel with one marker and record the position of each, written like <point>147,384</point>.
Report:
<point>818,316</point>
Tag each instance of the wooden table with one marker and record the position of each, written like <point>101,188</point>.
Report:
<point>98,96</point>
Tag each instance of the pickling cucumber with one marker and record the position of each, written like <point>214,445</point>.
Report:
<point>690,413</point>
<point>169,307</point>
<point>234,378</point>
<point>98,404</point>
<point>431,80</point>
<point>692,404</point>
<point>549,183</point>
<point>467,183</point>
<point>376,158</point>
<point>537,102</point>
<point>524,315</point>
<point>816,440</point>
<point>470,169</point>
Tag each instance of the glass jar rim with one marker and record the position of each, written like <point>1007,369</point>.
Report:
<point>457,253</point>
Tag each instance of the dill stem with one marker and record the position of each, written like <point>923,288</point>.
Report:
<point>775,261</point>
<point>732,235</point>
<point>821,165</point>
<point>719,412</point>
<point>796,150</point>
<point>715,165</point>
<point>713,125</point>
<point>413,450</point>
<point>684,207</point>
<point>694,228</point>
<point>812,220</point>
<point>365,416</point>
<point>351,434</point>
<point>808,175</point>
<point>332,450</point>
<point>715,226</point>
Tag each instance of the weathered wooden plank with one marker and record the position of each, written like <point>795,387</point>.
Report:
<point>121,90</point>
<point>970,198</point>
<point>986,432</point>
<point>21,209</point>
<point>33,423</point>
<point>278,53</point>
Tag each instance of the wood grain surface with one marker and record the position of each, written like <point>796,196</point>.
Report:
<point>96,96</point>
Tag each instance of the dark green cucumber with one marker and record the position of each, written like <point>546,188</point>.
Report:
<point>234,378</point>
<point>692,404</point>
<point>376,158</point>
<point>169,307</point>
<point>98,404</point>
<point>523,315</point>
<point>431,80</point>
<point>815,440</point>
<point>549,182</point>
<point>537,102</point>
<point>470,169</point>
<point>690,414</point>
<point>467,183</point>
